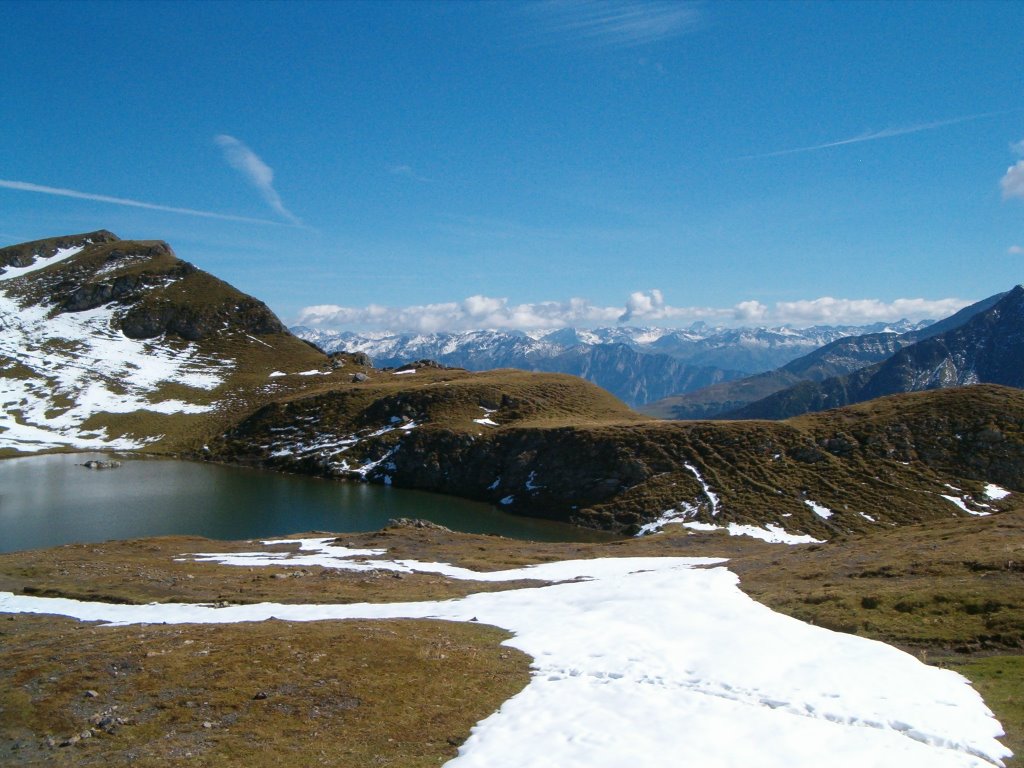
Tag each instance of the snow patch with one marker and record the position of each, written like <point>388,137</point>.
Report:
<point>994,493</point>
<point>258,341</point>
<point>821,511</point>
<point>679,514</point>
<point>706,488</point>
<point>327,447</point>
<point>65,368</point>
<point>10,273</point>
<point>773,534</point>
<point>962,504</point>
<point>530,485</point>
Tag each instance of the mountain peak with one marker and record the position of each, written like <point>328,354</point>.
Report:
<point>108,343</point>
<point>25,254</point>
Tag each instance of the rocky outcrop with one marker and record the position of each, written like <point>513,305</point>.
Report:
<point>192,322</point>
<point>25,254</point>
<point>123,288</point>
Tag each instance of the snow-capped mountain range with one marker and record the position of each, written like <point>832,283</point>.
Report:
<point>638,364</point>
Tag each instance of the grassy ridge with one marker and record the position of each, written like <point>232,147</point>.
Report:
<point>564,449</point>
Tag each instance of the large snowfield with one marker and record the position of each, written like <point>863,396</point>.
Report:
<point>651,662</point>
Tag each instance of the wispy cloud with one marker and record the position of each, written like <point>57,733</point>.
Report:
<point>1012,182</point>
<point>24,186</point>
<point>255,171</point>
<point>612,23</point>
<point>885,133</point>
<point>1015,250</point>
<point>641,307</point>
<point>408,172</point>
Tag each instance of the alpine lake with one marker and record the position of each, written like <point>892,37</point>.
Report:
<point>50,500</point>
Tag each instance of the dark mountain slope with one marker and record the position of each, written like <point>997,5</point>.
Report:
<point>988,348</point>
<point>838,358</point>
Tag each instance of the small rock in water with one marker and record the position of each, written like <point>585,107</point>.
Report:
<point>96,464</point>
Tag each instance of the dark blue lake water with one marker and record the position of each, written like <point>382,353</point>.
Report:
<point>46,501</point>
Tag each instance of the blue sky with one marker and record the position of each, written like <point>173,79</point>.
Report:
<point>455,165</point>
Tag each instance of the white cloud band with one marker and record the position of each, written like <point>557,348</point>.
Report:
<point>642,307</point>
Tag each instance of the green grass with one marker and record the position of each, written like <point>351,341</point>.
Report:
<point>1000,681</point>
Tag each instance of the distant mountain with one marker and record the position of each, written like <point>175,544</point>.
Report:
<point>632,376</point>
<point>987,348</point>
<point>754,350</point>
<point>838,358</point>
<point>118,344</point>
<point>638,365</point>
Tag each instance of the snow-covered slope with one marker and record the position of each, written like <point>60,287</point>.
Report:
<point>101,339</point>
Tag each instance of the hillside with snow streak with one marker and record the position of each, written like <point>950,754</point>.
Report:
<point>636,659</point>
<point>107,343</point>
<point>59,369</point>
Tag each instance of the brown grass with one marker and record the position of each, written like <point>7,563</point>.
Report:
<point>159,570</point>
<point>348,693</point>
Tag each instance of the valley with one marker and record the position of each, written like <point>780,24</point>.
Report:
<point>895,519</point>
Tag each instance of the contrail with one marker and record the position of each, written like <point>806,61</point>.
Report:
<point>885,133</point>
<point>25,186</point>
